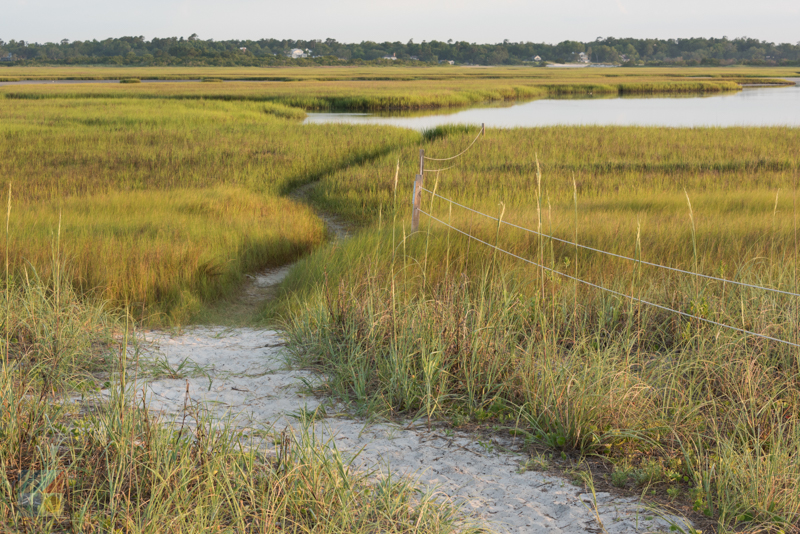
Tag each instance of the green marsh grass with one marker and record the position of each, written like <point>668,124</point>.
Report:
<point>370,95</point>
<point>165,204</point>
<point>388,73</point>
<point>165,252</point>
<point>122,469</point>
<point>434,325</point>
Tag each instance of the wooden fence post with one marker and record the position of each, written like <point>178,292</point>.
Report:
<point>417,198</point>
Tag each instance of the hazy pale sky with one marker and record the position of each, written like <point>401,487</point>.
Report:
<point>479,21</point>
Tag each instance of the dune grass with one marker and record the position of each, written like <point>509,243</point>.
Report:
<point>434,325</point>
<point>120,469</point>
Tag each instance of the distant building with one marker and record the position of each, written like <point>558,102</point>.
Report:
<point>537,58</point>
<point>7,57</point>
<point>393,57</point>
<point>414,58</point>
<point>242,49</point>
<point>448,61</point>
<point>583,58</point>
<point>297,53</point>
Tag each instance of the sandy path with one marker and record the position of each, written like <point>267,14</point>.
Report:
<point>242,373</point>
<point>245,376</point>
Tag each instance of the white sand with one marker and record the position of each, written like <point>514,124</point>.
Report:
<point>248,379</point>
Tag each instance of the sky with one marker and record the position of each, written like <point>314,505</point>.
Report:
<point>481,21</point>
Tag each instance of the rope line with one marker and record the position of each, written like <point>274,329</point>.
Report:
<point>612,291</point>
<point>457,155</point>
<point>620,256</point>
<point>439,170</point>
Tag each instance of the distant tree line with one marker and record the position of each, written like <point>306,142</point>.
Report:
<point>193,51</point>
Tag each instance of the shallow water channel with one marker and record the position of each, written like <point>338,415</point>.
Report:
<point>753,106</point>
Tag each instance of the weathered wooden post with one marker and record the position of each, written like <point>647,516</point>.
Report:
<point>417,198</point>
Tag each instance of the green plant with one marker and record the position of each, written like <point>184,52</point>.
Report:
<point>537,462</point>
<point>159,367</point>
<point>620,475</point>
<point>649,473</point>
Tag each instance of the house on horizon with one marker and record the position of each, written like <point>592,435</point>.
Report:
<point>242,49</point>
<point>393,57</point>
<point>297,53</point>
<point>537,58</point>
<point>7,57</point>
<point>448,61</point>
<point>583,58</point>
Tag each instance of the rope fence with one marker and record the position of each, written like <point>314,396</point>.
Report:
<point>440,170</point>
<point>612,254</point>
<point>417,209</point>
<point>482,132</point>
<point>612,291</point>
<point>416,198</point>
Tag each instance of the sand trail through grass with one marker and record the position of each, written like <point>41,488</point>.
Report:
<point>245,307</point>
<point>242,373</point>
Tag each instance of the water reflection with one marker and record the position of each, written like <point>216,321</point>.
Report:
<point>761,106</point>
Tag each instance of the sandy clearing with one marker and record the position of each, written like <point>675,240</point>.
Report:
<point>241,373</point>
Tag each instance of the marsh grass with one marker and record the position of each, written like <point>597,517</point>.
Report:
<point>79,153</point>
<point>165,205</point>
<point>434,325</point>
<point>164,252</point>
<point>717,411</point>
<point>430,324</point>
<point>373,95</point>
<point>391,72</point>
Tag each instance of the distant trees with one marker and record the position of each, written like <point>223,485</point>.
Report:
<point>135,50</point>
<point>604,54</point>
<point>567,51</point>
